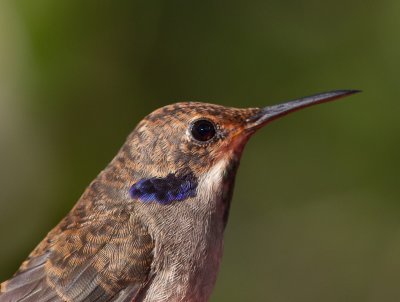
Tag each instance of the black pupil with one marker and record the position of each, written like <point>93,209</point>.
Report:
<point>203,130</point>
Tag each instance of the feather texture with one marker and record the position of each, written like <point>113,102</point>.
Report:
<point>92,255</point>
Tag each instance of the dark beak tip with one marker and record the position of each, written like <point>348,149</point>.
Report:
<point>347,91</point>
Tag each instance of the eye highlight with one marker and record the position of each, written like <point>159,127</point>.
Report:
<point>202,130</point>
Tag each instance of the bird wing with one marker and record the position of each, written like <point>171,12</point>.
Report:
<point>99,257</point>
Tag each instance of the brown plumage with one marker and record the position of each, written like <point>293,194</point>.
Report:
<point>150,226</point>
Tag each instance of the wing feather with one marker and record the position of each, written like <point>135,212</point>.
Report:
<point>86,258</point>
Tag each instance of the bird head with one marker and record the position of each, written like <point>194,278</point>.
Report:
<point>179,145</point>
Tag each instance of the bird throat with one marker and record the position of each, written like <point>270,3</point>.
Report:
<point>216,184</point>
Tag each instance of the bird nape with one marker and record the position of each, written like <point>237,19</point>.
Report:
<point>150,226</point>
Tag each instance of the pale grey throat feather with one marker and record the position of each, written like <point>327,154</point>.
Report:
<point>189,241</point>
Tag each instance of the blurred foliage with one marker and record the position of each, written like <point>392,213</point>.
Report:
<point>315,215</point>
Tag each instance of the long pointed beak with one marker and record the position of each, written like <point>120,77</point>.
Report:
<point>270,113</point>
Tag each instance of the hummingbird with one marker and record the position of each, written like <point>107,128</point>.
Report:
<point>150,226</point>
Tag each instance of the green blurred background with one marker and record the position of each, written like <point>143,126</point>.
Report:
<point>315,216</point>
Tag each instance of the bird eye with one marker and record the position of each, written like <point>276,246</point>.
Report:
<point>203,130</point>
